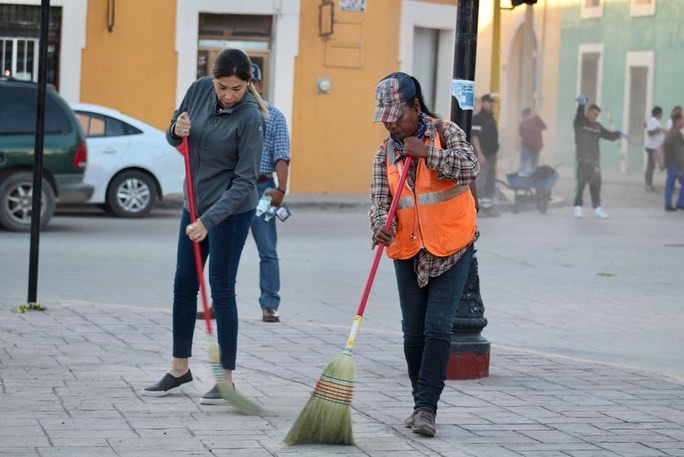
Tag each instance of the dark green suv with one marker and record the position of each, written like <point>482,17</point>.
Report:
<point>64,160</point>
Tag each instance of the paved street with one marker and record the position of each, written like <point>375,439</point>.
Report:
<point>585,320</point>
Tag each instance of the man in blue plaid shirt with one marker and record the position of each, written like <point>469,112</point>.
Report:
<point>275,159</point>
<point>273,172</point>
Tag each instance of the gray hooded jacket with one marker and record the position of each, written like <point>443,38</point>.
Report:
<point>225,152</point>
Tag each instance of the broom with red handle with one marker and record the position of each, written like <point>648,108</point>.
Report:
<point>326,417</point>
<point>245,405</point>
<point>196,246</point>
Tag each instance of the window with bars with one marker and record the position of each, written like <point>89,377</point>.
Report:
<point>19,33</point>
<point>19,58</point>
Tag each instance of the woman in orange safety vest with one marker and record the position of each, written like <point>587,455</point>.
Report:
<point>431,240</point>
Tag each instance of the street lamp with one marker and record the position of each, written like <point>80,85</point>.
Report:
<point>469,355</point>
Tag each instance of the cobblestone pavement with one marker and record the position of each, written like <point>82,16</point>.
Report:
<point>71,378</point>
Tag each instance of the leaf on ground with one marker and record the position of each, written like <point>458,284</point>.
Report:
<point>32,306</point>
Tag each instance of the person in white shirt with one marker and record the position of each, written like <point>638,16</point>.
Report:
<point>653,140</point>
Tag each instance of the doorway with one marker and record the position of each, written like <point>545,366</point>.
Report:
<point>249,32</point>
<point>637,102</point>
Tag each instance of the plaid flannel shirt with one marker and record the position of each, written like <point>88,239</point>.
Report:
<point>456,162</point>
<point>276,141</point>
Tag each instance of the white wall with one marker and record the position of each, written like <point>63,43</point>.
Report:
<point>283,52</point>
<point>72,42</point>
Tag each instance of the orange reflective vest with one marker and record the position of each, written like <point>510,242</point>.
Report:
<point>439,216</point>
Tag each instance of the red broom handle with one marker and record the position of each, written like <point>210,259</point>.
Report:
<point>195,245</point>
<point>376,261</point>
<point>381,246</point>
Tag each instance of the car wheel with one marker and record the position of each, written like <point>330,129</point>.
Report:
<point>16,196</point>
<point>131,194</point>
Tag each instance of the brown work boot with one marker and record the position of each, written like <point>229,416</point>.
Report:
<point>270,315</point>
<point>424,423</point>
<point>212,313</point>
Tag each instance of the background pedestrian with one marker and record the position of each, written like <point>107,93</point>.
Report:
<point>655,135</point>
<point>531,141</point>
<point>675,110</point>
<point>275,159</point>
<point>588,132</point>
<point>485,139</point>
<point>674,163</point>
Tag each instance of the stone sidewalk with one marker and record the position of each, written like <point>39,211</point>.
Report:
<point>71,377</point>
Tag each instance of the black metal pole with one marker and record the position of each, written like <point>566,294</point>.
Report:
<point>465,52</point>
<point>38,156</point>
<point>469,358</point>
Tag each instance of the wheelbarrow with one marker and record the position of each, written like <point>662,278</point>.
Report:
<point>532,188</point>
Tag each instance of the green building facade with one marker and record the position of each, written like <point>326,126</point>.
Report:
<point>626,56</point>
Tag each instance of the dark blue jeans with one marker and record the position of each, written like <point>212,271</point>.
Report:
<point>427,321</point>
<point>223,246</point>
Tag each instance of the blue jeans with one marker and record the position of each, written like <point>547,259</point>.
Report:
<point>266,239</point>
<point>223,246</point>
<point>427,322</point>
<point>528,155</point>
<point>672,176</point>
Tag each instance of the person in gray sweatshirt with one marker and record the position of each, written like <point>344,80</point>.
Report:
<point>221,118</point>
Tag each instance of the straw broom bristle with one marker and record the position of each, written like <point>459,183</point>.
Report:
<point>326,417</point>
<point>213,352</point>
<point>235,398</point>
<point>229,393</point>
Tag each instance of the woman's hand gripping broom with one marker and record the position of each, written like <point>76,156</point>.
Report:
<point>243,404</point>
<point>326,417</point>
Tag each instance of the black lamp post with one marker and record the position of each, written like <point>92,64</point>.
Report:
<point>38,158</point>
<point>469,357</point>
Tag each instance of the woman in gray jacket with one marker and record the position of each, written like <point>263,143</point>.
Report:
<point>223,123</point>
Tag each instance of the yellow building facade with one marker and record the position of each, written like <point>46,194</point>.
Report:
<point>333,136</point>
<point>132,67</point>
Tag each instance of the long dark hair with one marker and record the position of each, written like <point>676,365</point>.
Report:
<point>232,62</point>
<point>421,99</point>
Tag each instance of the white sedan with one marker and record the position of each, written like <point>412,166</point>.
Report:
<point>130,163</point>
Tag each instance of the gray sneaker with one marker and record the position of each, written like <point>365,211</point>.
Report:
<point>213,397</point>
<point>408,422</point>
<point>424,423</point>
